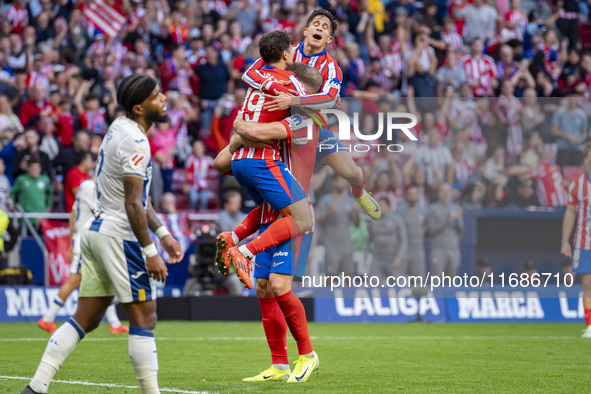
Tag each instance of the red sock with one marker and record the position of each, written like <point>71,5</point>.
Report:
<point>275,330</point>
<point>280,231</point>
<point>250,224</point>
<point>588,317</point>
<point>295,316</point>
<point>357,190</point>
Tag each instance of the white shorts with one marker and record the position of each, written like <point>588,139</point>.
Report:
<point>76,256</point>
<point>112,266</point>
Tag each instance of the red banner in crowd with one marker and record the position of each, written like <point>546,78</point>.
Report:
<point>57,242</point>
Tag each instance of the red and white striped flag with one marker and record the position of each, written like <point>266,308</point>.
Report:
<point>104,17</point>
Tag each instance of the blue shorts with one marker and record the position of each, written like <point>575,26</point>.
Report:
<point>287,258</point>
<point>269,181</point>
<point>327,144</point>
<point>582,261</point>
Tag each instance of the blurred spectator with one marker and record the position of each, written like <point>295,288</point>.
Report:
<point>389,238</point>
<point>230,216</point>
<point>163,138</point>
<point>9,122</point>
<point>570,127</point>
<point>480,69</point>
<point>78,174</point>
<point>67,155</point>
<point>446,225</point>
<point>422,65</point>
<point>5,201</point>
<point>334,213</point>
<point>530,268</point>
<point>33,191</point>
<point>32,151</point>
<point>436,159</point>
<point>168,204</point>
<point>213,83</point>
<point>197,169</point>
<point>483,270</point>
<point>415,220</point>
<point>519,194</point>
<point>480,20</point>
<point>36,107</point>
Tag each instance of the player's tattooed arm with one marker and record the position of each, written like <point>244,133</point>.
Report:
<point>153,221</point>
<point>133,187</point>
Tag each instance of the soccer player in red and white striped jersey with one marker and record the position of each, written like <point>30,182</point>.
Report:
<point>320,27</point>
<point>579,209</point>
<point>480,70</point>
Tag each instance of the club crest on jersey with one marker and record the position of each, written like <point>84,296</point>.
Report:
<point>137,159</point>
<point>335,83</point>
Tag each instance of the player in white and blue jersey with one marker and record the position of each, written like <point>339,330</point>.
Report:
<point>80,215</point>
<point>118,256</point>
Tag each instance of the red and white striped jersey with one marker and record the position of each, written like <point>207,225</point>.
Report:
<point>19,17</point>
<point>464,169</point>
<point>35,78</point>
<point>323,62</point>
<point>197,170</point>
<point>508,109</point>
<point>392,62</point>
<point>549,185</point>
<point>520,20</point>
<point>253,111</point>
<point>578,195</point>
<point>103,15</point>
<point>454,40</point>
<point>96,122</point>
<point>481,71</point>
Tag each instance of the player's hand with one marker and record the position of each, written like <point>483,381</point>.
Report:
<point>566,249</point>
<point>156,268</point>
<point>279,102</point>
<point>173,248</point>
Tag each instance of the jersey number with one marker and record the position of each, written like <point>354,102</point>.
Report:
<point>254,105</point>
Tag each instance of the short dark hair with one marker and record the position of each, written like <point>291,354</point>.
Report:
<point>273,44</point>
<point>33,161</point>
<point>228,195</point>
<point>326,14</point>
<point>79,157</point>
<point>310,76</point>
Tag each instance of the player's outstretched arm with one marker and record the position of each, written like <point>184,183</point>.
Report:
<point>133,188</point>
<point>171,245</point>
<point>253,78</point>
<point>223,161</point>
<point>567,227</point>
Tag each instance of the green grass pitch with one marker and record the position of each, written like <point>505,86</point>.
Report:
<point>214,356</point>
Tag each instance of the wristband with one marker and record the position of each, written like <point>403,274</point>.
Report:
<point>162,232</point>
<point>149,251</point>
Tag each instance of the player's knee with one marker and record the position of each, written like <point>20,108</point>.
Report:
<point>279,287</point>
<point>262,289</point>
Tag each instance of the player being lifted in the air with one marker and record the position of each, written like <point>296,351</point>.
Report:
<point>319,30</point>
<point>275,267</point>
<point>579,210</point>
<point>118,256</point>
<point>261,171</point>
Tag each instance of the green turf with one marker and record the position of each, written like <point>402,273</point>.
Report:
<point>353,358</point>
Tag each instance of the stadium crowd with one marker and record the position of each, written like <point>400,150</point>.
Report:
<point>501,94</point>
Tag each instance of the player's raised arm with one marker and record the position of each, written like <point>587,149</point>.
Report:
<point>261,131</point>
<point>256,80</point>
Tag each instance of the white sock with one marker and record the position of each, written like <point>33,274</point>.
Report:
<point>235,238</point>
<point>244,250</point>
<point>112,317</point>
<point>144,358</point>
<point>281,367</point>
<point>59,347</point>
<point>53,309</point>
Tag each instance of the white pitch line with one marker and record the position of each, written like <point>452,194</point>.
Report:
<point>119,386</point>
<point>329,338</point>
